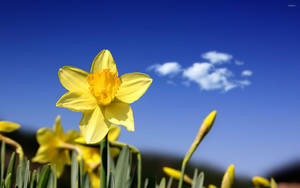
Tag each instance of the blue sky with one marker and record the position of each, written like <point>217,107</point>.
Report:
<point>257,126</point>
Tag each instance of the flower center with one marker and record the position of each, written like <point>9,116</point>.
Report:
<point>104,86</point>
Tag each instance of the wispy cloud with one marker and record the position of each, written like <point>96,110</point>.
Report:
<point>207,75</point>
<point>169,68</point>
<point>247,73</point>
<point>240,63</point>
<point>217,57</point>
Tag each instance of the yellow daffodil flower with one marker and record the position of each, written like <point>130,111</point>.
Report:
<point>101,96</point>
<point>212,186</point>
<point>176,174</point>
<point>7,127</point>
<point>260,182</point>
<point>54,146</point>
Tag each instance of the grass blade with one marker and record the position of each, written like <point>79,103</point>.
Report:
<point>33,179</point>
<point>44,177</point>
<point>122,167</point>
<point>26,175</point>
<point>74,170</point>
<point>2,162</point>
<point>10,170</point>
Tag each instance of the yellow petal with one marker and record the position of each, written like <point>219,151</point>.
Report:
<point>114,132</point>
<point>57,128</point>
<point>60,161</point>
<point>42,155</point>
<point>104,60</point>
<point>73,79</point>
<point>71,136</point>
<point>78,102</point>
<point>7,126</point>
<point>93,126</point>
<point>133,86</point>
<point>212,186</point>
<point>120,114</point>
<point>45,136</point>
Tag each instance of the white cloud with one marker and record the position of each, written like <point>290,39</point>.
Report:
<point>240,63</point>
<point>207,75</point>
<point>247,73</point>
<point>210,78</point>
<point>169,68</point>
<point>217,57</point>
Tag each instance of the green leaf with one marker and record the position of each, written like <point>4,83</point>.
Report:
<point>26,175</point>
<point>170,182</point>
<point>44,177</point>
<point>86,181</point>
<point>19,176</point>
<point>162,183</point>
<point>81,167</point>
<point>146,183</point>
<point>7,182</point>
<point>33,181</point>
<point>195,178</point>
<point>10,169</point>
<point>54,176</point>
<point>122,168</point>
<point>111,181</point>
<point>2,162</point>
<point>74,170</point>
<point>199,180</point>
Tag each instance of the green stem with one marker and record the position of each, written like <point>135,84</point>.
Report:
<point>201,133</point>
<point>139,159</point>
<point>18,147</point>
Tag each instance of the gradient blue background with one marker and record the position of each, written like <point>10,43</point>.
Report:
<point>257,127</point>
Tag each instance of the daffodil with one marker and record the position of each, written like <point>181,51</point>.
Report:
<point>101,96</point>
<point>7,127</point>
<point>54,146</point>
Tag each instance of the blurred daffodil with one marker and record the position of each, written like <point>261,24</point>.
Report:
<point>176,174</point>
<point>212,186</point>
<point>7,127</point>
<point>228,177</point>
<point>54,146</point>
<point>101,96</point>
<point>260,182</point>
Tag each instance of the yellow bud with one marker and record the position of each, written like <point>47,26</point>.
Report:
<point>273,183</point>
<point>209,120</point>
<point>259,182</point>
<point>228,178</point>
<point>176,174</point>
<point>212,186</point>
